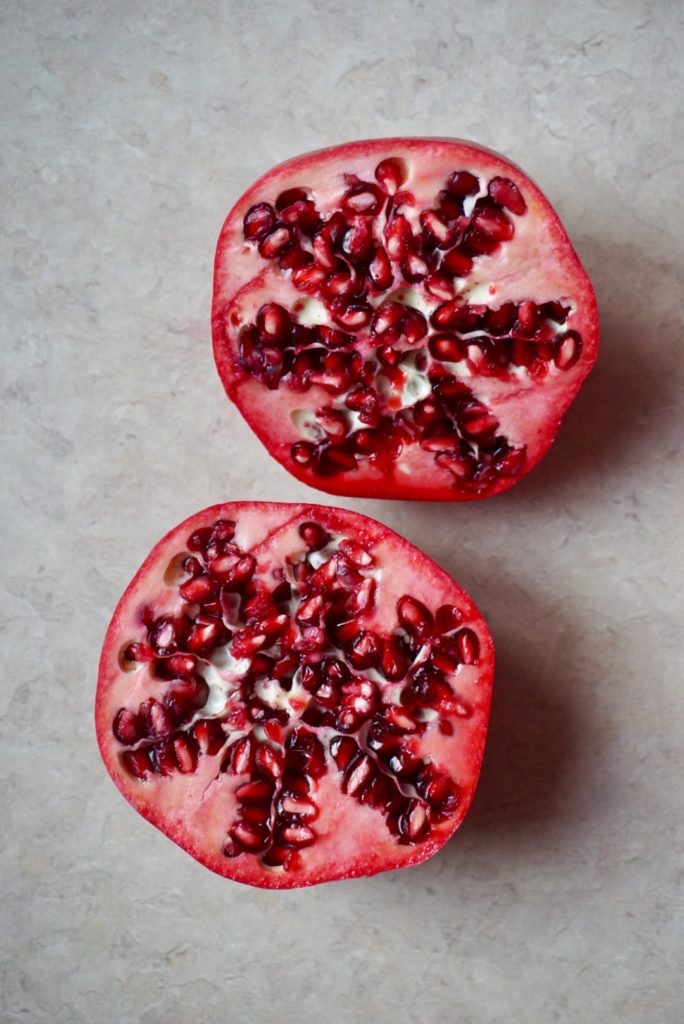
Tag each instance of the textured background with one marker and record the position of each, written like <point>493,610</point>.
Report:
<point>128,129</point>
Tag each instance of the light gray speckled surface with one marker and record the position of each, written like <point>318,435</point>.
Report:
<point>127,131</point>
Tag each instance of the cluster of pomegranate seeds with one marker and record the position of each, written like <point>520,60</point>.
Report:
<point>273,670</point>
<point>398,375</point>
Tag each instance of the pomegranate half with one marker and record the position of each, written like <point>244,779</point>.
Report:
<point>401,318</point>
<point>295,694</point>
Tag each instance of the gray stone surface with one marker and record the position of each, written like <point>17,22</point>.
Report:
<point>128,129</point>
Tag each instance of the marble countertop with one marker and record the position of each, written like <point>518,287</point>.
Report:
<point>127,132</point>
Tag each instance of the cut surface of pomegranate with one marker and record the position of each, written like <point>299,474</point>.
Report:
<point>295,694</point>
<point>401,318</point>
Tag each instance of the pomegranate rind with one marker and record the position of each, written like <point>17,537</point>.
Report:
<point>539,263</point>
<point>195,810</point>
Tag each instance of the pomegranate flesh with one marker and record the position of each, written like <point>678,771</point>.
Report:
<point>295,694</point>
<point>401,318</point>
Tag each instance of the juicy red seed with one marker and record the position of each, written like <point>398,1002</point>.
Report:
<point>414,326</point>
<point>157,718</point>
<point>463,183</point>
<point>291,196</point>
<point>414,267</point>
<point>436,226</point>
<point>364,199</point>
<point>353,315</point>
<point>204,634</point>
<point>294,258</point>
<point>128,727</point>
<point>336,460</point>
<point>240,573</point>
<point>527,317</point>
<point>343,749</point>
<point>256,814</point>
<point>295,784</point>
<point>309,611</point>
<point>324,252</point>
<point>180,665</point>
<point>314,536</point>
<point>137,762</point>
<point>439,285</point>
<point>308,278</point>
<point>449,314</point>
<point>163,636</point>
<point>192,565</point>
<point>468,646</point>
<point>394,661</point>
<point>198,589</point>
<point>504,192</point>
<point>457,263</point>
<point>567,348</point>
<point>391,173</point>
<point>499,321</point>
<point>357,774</point>
<point>447,348</point>
<point>403,763</point>
<point>333,421</point>
<point>258,221</point>
<point>523,353</point>
<point>414,616</point>
<point>479,425</point>
<point>240,756</point>
<point>493,222</point>
<point>388,314</point>
<point>250,836</point>
<point>302,452</point>
<point>380,270</point>
<point>305,753</point>
<point>278,856</point>
<point>398,237</point>
<point>297,836</point>
<point>269,760</point>
<point>298,805</point>
<point>274,242</point>
<point>273,323</point>
<point>414,820</point>
<point>257,792</point>
<point>135,653</point>
<point>199,539</point>
<point>364,597</point>
<point>185,750</point>
<point>448,617</point>
<point>334,338</point>
<point>209,735</point>
<point>365,650</point>
<point>162,758</point>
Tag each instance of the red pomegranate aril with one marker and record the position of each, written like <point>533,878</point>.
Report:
<point>449,314</point>
<point>273,323</point>
<point>128,727</point>
<point>437,227</point>
<point>440,286</point>
<point>488,219</point>
<point>414,326</point>
<point>293,257</point>
<point>363,199</point>
<point>136,762</point>
<point>302,452</point>
<point>414,820</point>
<point>250,836</point>
<point>380,270</point>
<point>275,241</point>
<point>198,589</point>
<point>414,268</point>
<point>507,194</point>
<point>209,735</point>
<point>258,221</point>
<point>240,573</point>
<point>163,636</point>
<point>391,174</point>
<point>309,278</point>
<point>567,349</point>
<point>463,183</point>
<point>500,320</point>
<point>357,243</point>
<point>414,617</point>
<point>316,715</point>
<point>447,348</point>
<point>457,263</point>
<point>447,618</point>
<point>398,237</point>
<point>468,646</point>
<point>336,460</point>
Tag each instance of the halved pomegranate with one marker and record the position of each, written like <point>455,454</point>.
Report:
<point>295,694</point>
<point>401,318</point>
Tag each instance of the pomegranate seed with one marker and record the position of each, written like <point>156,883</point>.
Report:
<point>357,775</point>
<point>413,326</point>
<point>437,228</point>
<point>162,759</point>
<point>468,646</point>
<point>527,317</point>
<point>414,616</point>
<point>205,634</point>
<point>499,321</point>
<point>128,727</point>
<point>275,241</point>
<point>463,183</point>
<point>324,252</point>
<point>391,173</point>
<point>512,463</point>
<point>209,735</point>
<point>365,650</point>
<point>293,257</point>
<point>414,821</point>
<point>309,611</point>
<point>334,338</point>
<point>398,237</point>
<point>308,278</point>
<point>388,314</point>
<point>257,792</point>
<point>567,350</point>
<point>380,270</point>
<point>479,425</point>
<point>414,267</point>
<point>336,460</point>
<point>394,661</point>
<point>356,554</point>
<point>305,753</point>
<point>269,761</point>
<point>507,194</point>
<point>447,348</point>
<point>357,242</point>
<point>449,314</point>
<point>185,750</point>
<point>365,199</point>
<point>163,636</point>
<point>448,617</point>
<point>491,221</point>
<point>240,573</point>
<point>364,597</point>
<point>457,263</point>
<point>439,285</point>
<point>273,323</point>
<point>157,718</point>
<point>522,353</point>
<point>403,763</point>
<point>352,315</point>
<point>302,452</point>
<point>181,665</point>
<point>333,421</point>
<point>297,836</point>
<point>241,756</point>
<point>400,719</point>
<point>198,589</point>
<point>258,221</point>
<point>250,836</point>
<point>343,749</point>
<point>297,805</point>
<point>314,536</point>
<point>136,762</point>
